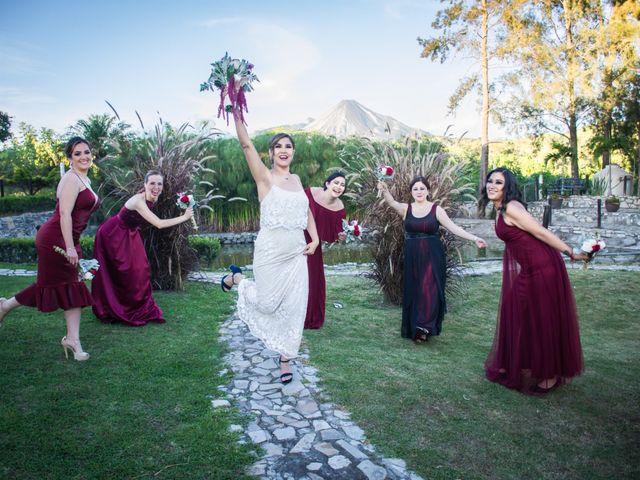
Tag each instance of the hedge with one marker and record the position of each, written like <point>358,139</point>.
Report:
<point>16,204</point>
<point>23,250</point>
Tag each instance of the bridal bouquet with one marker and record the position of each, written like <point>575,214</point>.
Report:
<point>592,246</point>
<point>233,77</point>
<point>87,269</point>
<point>352,230</point>
<point>185,201</point>
<point>384,172</point>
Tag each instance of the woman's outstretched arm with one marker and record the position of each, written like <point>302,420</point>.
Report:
<point>446,222</point>
<point>259,171</point>
<point>399,207</point>
<point>517,215</point>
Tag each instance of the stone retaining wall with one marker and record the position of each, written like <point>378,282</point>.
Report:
<point>22,225</point>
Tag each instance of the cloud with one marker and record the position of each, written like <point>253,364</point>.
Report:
<point>215,22</point>
<point>283,56</point>
<point>396,8</point>
<point>19,59</point>
<point>12,96</point>
<point>287,58</point>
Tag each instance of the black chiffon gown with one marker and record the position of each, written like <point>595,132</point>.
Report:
<point>424,303</point>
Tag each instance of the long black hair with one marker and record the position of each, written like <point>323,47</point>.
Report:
<point>510,190</point>
<point>332,177</point>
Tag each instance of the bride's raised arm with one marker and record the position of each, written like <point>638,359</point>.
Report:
<point>259,172</point>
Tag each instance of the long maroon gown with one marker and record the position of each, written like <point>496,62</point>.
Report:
<point>537,335</point>
<point>122,287</point>
<point>57,284</point>
<point>329,225</point>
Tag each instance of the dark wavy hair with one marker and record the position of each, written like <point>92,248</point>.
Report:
<point>511,190</point>
<point>419,178</point>
<point>332,177</point>
<point>71,144</point>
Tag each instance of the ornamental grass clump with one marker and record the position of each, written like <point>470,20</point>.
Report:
<point>179,154</point>
<point>448,186</point>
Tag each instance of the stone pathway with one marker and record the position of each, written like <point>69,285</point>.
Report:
<point>304,436</point>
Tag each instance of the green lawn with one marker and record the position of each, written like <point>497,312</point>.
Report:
<point>431,405</point>
<point>140,407</point>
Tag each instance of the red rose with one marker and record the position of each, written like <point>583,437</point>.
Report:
<point>356,230</point>
<point>184,199</point>
<point>93,271</point>
<point>595,248</point>
<point>389,171</point>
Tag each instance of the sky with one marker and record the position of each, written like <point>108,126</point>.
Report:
<point>61,60</point>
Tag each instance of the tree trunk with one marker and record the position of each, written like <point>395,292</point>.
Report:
<point>606,133</point>
<point>637,162</point>
<point>571,88</point>
<point>573,143</point>
<point>484,154</point>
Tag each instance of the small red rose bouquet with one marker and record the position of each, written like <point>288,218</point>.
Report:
<point>592,246</point>
<point>352,229</point>
<point>185,201</point>
<point>233,77</point>
<point>87,268</point>
<point>384,172</point>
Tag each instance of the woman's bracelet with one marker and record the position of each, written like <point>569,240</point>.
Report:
<point>569,253</point>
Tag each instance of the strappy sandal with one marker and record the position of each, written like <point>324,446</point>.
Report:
<point>234,269</point>
<point>422,335</point>
<point>285,377</point>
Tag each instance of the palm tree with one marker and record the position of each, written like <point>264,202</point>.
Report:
<point>99,129</point>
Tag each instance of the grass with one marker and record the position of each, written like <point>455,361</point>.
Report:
<point>431,405</point>
<point>139,408</point>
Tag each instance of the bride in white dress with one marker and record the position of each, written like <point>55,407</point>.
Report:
<point>274,305</point>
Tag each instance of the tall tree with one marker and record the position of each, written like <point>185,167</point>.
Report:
<point>465,27</point>
<point>5,126</point>
<point>552,42</point>
<point>34,156</point>
<point>617,61</point>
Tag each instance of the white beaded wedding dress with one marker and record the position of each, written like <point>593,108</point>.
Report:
<point>274,304</point>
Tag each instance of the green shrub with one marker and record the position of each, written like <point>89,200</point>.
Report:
<point>86,244</point>
<point>18,250</point>
<point>207,248</point>
<point>23,250</point>
<point>16,204</point>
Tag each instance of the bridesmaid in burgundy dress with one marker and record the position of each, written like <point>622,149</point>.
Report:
<point>122,287</point>
<point>328,212</point>
<point>537,341</point>
<point>424,275</point>
<point>57,285</point>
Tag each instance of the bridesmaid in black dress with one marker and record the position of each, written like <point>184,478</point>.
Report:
<point>424,303</point>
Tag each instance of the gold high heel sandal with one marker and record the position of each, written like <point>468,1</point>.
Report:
<point>76,348</point>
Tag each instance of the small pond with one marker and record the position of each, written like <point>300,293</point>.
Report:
<point>337,254</point>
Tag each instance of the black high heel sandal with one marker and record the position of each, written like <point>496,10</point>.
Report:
<point>285,377</point>
<point>234,269</point>
<point>422,335</point>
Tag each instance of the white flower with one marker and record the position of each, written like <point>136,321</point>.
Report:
<point>587,245</point>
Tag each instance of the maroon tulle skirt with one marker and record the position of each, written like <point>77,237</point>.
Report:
<point>537,335</point>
